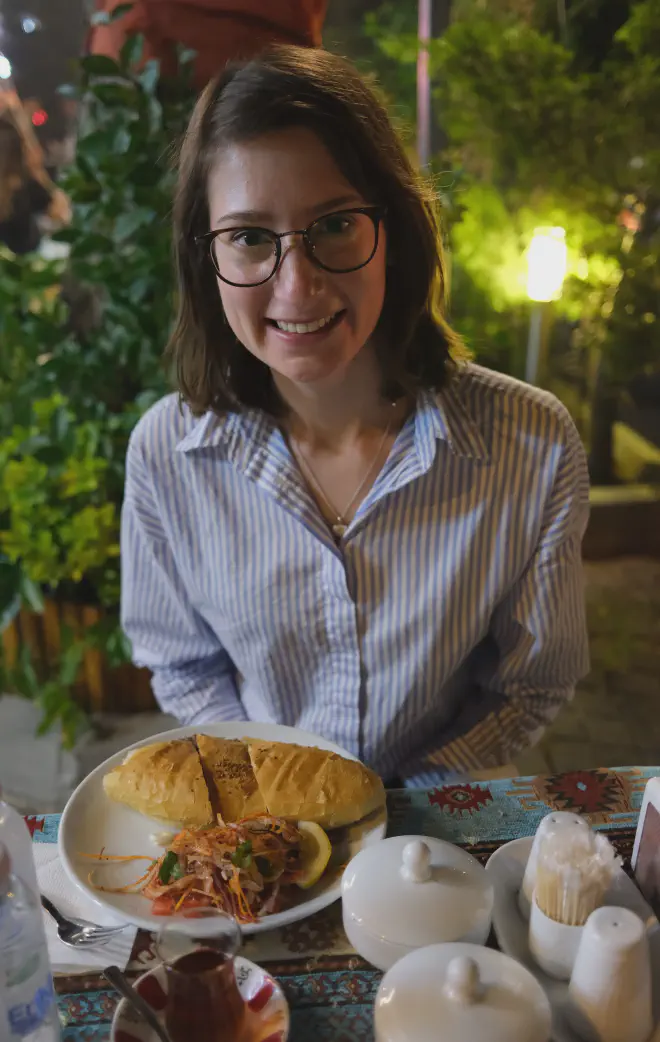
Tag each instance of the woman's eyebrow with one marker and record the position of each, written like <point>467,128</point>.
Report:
<point>262,216</point>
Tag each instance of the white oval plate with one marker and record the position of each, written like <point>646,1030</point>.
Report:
<point>267,1017</point>
<point>91,822</point>
<point>507,867</point>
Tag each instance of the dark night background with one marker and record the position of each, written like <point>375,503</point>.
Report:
<point>43,59</point>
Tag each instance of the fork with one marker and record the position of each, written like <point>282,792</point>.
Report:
<point>79,933</point>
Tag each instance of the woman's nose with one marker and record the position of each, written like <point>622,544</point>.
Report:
<point>297,273</point>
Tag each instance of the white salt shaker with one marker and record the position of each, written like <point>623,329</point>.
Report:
<point>551,823</point>
<point>610,988</point>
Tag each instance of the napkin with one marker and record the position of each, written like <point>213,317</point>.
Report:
<point>55,884</point>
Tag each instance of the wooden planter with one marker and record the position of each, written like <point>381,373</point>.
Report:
<point>99,688</point>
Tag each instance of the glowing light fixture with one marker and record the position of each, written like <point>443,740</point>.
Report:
<point>30,24</point>
<point>546,264</point>
<point>5,68</point>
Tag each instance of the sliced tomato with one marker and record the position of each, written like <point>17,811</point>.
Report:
<point>193,901</point>
<point>163,905</point>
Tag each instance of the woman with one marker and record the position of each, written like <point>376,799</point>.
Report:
<point>26,192</point>
<point>344,527</point>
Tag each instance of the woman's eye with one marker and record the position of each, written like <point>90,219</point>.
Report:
<point>335,225</point>
<point>251,237</point>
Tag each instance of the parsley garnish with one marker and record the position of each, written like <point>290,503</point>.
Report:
<point>167,867</point>
<point>242,856</point>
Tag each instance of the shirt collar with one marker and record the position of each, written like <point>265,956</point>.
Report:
<point>443,416</point>
<point>226,432</point>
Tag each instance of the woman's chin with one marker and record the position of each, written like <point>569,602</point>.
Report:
<point>311,370</point>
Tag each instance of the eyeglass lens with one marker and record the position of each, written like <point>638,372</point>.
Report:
<point>338,242</point>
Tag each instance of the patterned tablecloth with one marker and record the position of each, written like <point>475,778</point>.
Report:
<point>330,990</point>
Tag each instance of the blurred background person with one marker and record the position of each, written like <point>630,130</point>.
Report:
<point>26,191</point>
<point>217,30</point>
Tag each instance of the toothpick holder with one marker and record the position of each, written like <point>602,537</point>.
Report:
<point>553,945</point>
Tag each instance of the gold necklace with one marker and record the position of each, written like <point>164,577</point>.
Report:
<point>339,527</point>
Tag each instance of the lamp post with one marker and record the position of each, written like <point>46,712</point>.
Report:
<point>433,17</point>
<point>424,26</point>
<point>546,271</point>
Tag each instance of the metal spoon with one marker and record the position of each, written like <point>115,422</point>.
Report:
<point>79,933</point>
<point>115,977</point>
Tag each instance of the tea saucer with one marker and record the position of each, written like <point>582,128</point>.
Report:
<point>507,869</point>
<point>268,1012</point>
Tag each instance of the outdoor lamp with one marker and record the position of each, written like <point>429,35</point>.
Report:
<point>546,271</point>
<point>546,264</point>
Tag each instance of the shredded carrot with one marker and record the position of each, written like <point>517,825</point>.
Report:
<point>253,817</point>
<point>243,905</point>
<point>129,888</point>
<point>182,898</point>
<point>117,857</point>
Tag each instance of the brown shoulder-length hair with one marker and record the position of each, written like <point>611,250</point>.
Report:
<point>295,86</point>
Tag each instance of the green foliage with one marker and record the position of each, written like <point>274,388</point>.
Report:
<point>82,343</point>
<point>58,506</point>
<point>540,132</point>
<point>52,694</point>
<point>32,325</point>
<point>121,184</point>
<point>633,317</point>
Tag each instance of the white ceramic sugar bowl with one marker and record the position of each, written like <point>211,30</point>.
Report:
<point>461,993</point>
<point>408,892</point>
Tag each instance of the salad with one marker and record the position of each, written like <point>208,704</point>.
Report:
<point>246,869</point>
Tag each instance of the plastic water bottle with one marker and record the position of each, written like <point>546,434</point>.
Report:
<point>27,998</point>
<point>15,835</point>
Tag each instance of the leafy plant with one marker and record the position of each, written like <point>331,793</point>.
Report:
<point>33,323</point>
<point>53,693</point>
<point>543,131</point>
<point>82,343</point>
<point>58,506</point>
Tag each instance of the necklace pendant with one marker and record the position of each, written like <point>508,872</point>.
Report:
<point>339,530</point>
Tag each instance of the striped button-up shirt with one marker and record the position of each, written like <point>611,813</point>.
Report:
<point>443,633</point>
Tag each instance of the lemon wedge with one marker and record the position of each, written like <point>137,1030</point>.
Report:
<point>315,852</point>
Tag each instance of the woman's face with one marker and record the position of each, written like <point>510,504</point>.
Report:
<point>283,181</point>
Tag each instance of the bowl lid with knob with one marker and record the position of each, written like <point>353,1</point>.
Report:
<point>461,993</point>
<point>416,891</point>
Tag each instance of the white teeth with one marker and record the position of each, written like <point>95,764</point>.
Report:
<point>304,327</point>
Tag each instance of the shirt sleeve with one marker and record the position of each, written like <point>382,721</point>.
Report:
<point>537,648</point>
<point>193,676</point>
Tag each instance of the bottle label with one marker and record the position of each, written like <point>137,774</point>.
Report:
<point>26,1017</point>
<point>29,993</point>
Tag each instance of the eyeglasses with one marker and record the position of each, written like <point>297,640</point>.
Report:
<point>338,242</point>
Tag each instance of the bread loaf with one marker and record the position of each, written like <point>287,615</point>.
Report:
<point>309,784</point>
<point>164,781</point>
<point>200,780</point>
<point>230,778</point>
